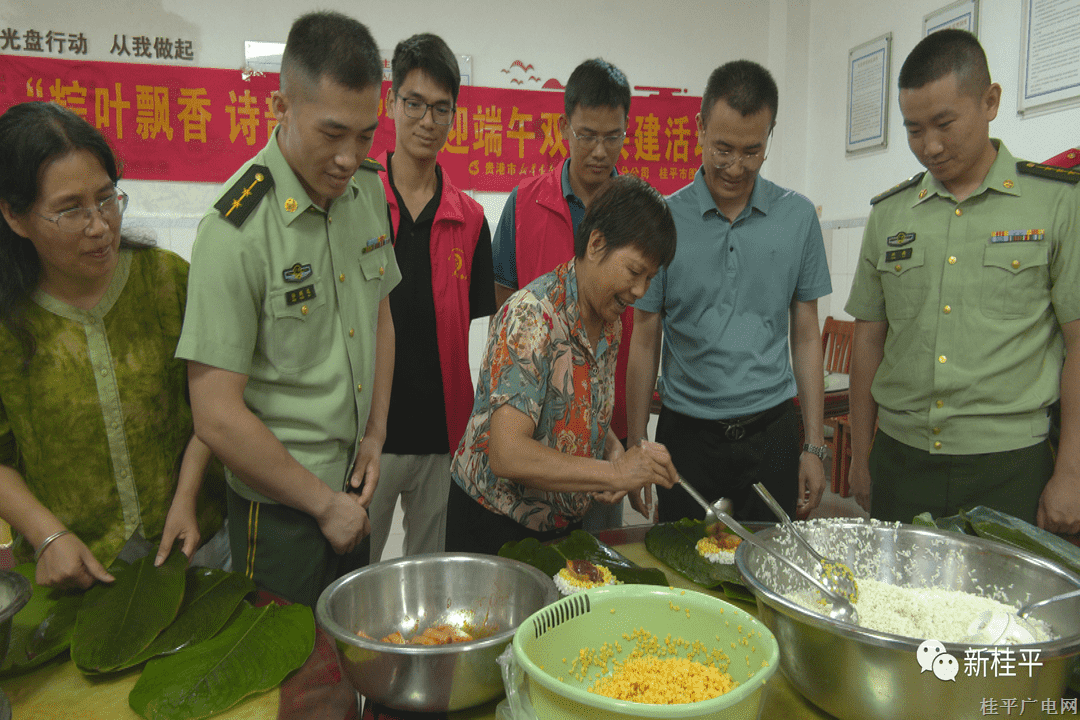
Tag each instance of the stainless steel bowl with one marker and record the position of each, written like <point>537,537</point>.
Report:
<point>858,674</point>
<point>14,594</point>
<point>483,592</point>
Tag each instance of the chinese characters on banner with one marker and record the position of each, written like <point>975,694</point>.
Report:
<point>201,124</point>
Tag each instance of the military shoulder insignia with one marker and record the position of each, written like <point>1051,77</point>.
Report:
<point>371,165</point>
<point>900,239</point>
<point>243,197</point>
<point>1048,171</point>
<point>913,180</point>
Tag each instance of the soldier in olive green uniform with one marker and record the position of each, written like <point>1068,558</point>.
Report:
<point>288,329</point>
<point>966,298</point>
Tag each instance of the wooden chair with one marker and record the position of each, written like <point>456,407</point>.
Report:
<point>836,340</point>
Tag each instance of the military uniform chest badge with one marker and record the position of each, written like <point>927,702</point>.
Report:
<point>297,273</point>
<point>900,239</point>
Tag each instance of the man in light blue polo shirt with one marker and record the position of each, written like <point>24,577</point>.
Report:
<point>739,298</point>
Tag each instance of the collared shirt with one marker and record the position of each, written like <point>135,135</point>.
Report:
<point>974,294</point>
<point>291,299</point>
<point>726,297</point>
<point>98,422</point>
<point>539,360</point>
<point>416,421</point>
<point>504,244</point>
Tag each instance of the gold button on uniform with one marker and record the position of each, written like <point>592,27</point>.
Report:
<point>937,445</point>
<point>351,332</point>
<point>359,387</point>
<point>941,403</point>
<point>303,310</point>
<point>941,359</point>
<point>952,259</point>
<point>959,212</point>
<point>937,431</point>
<point>382,270</point>
<point>899,267</point>
<point>1015,264</point>
<point>947,309</point>
<point>329,219</point>
<point>341,277</point>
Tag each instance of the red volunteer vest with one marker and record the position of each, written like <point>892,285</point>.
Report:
<point>454,234</point>
<point>544,238</point>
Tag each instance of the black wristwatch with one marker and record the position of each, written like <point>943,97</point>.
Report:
<point>818,450</point>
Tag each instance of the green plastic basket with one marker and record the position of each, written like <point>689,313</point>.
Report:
<point>605,615</point>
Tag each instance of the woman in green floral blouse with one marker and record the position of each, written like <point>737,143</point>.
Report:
<point>96,436</point>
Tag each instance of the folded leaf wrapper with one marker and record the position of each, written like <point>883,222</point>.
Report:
<point>675,544</point>
<point>580,545</point>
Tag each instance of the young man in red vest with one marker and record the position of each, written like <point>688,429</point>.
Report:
<point>536,230</point>
<point>443,247</point>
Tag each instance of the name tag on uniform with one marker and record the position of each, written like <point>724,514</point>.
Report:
<point>1005,236</point>
<point>374,244</point>
<point>894,255</point>
<point>300,295</point>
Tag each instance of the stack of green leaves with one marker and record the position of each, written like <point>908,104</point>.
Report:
<point>675,544</point>
<point>580,545</point>
<point>204,646</point>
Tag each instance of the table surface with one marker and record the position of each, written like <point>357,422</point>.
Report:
<point>58,691</point>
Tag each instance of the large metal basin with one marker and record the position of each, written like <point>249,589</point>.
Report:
<point>14,594</point>
<point>484,592</point>
<point>857,674</point>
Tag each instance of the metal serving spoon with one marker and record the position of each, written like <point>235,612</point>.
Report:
<point>711,521</point>
<point>832,573</point>
<point>1024,611</point>
<point>716,514</point>
<point>840,609</point>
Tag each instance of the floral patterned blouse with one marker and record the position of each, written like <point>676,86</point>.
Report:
<point>98,422</point>
<point>538,360</point>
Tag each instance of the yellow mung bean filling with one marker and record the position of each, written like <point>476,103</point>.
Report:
<point>654,672</point>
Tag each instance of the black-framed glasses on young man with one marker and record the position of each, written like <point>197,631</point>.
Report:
<point>78,219</point>
<point>589,141</point>
<point>441,113</point>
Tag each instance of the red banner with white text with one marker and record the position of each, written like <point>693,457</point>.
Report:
<point>193,124</point>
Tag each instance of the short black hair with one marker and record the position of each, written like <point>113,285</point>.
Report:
<point>943,52</point>
<point>596,83</point>
<point>744,85</point>
<point>629,212</point>
<point>430,54</point>
<point>331,45</point>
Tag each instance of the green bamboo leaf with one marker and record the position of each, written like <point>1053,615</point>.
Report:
<point>252,654</point>
<point>996,525</point>
<point>210,597</point>
<point>580,545</point>
<point>119,620</point>
<point>42,629</point>
<point>675,544</point>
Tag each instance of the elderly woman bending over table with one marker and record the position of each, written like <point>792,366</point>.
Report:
<point>96,435</point>
<point>538,450</point>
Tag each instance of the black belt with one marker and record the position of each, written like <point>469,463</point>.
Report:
<point>736,429</point>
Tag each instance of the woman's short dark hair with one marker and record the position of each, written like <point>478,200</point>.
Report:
<point>33,135</point>
<point>629,212</point>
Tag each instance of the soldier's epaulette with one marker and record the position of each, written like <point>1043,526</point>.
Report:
<point>1048,171</point>
<point>371,165</point>
<point>913,180</point>
<point>243,197</point>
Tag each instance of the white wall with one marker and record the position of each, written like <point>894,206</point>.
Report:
<point>844,185</point>
<point>803,42</point>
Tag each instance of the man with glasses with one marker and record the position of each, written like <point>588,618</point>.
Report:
<point>443,247</point>
<point>536,230</point>
<point>739,297</point>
